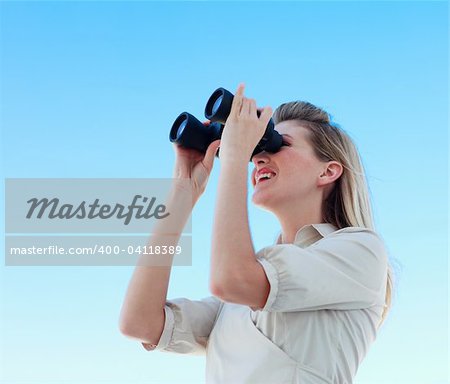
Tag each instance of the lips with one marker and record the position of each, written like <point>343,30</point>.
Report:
<point>262,175</point>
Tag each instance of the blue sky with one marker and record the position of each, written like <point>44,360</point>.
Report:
<point>90,89</point>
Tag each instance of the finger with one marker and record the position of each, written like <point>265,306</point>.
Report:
<point>186,152</point>
<point>252,109</point>
<point>206,123</point>
<point>266,114</point>
<point>208,160</point>
<point>178,148</point>
<point>237,100</point>
<point>240,90</point>
<point>245,109</point>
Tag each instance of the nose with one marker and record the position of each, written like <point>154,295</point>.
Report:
<point>261,158</point>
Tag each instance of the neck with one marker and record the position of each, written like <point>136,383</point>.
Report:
<point>294,217</point>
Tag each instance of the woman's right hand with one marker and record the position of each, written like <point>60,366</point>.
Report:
<point>194,165</point>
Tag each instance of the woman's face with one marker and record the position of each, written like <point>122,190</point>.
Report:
<point>294,169</point>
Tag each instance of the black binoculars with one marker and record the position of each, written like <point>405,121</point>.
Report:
<point>192,133</point>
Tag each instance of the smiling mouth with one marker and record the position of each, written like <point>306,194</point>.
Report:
<point>264,178</point>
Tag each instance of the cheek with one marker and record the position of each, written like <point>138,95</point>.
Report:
<point>296,164</point>
<point>252,177</point>
<point>298,170</point>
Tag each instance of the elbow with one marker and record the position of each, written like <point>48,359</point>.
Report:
<point>128,328</point>
<point>225,290</point>
<point>216,289</point>
<point>223,281</point>
<point>137,328</point>
<point>216,284</point>
<point>143,327</point>
<point>138,333</point>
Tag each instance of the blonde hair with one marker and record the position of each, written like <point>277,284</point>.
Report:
<point>348,204</point>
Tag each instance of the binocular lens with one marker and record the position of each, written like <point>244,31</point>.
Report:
<point>217,104</point>
<point>181,128</point>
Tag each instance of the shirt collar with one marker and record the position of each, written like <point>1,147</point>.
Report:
<point>311,233</point>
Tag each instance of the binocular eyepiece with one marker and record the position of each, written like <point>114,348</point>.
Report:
<point>189,132</point>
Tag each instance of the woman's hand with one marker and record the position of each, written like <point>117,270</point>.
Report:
<point>194,165</point>
<point>243,129</point>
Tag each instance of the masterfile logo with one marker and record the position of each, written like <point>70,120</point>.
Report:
<point>92,222</point>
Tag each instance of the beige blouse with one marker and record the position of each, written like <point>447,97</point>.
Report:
<point>327,293</point>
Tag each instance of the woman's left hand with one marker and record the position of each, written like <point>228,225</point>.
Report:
<point>243,129</point>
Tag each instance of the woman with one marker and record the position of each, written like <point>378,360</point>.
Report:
<point>304,310</point>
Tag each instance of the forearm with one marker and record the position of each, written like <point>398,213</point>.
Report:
<point>232,247</point>
<point>142,313</point>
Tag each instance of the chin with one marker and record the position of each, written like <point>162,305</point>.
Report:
<point>261,201</point>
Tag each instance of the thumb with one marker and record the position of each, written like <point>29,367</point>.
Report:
<point>208,160</point>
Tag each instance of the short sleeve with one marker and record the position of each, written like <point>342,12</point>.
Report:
<point>344,270</point>
<point>187,325</point>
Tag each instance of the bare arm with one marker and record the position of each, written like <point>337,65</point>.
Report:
<point>142,316</point>
<point>236,275</point>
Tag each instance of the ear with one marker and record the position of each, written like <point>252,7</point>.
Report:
<point>330,173</point>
